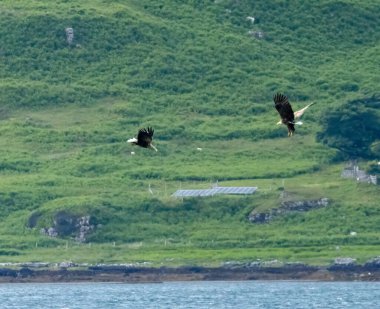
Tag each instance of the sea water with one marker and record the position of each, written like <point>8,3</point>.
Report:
<point>200,294</point>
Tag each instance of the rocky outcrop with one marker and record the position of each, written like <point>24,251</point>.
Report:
<point>341,269</point>
<point>229,271</point>
<point>373,263</point>
<point>285,207</point>
<point>49,231</point>
<point>84,227</point>
<point>346,263</point>
<point>67,224</point>
<point>305,205</point>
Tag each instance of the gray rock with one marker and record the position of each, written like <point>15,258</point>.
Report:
<point>35,264</point>
<point>344,261</point>
<point>66,264</point>
<point>343,264</point>
<point>285,207</point>
<point>69,35</point>
<point>373,263</point>
<point>66,224</point>
<point>84,228</point>
<point>49,231</point>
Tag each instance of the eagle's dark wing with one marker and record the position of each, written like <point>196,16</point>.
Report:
<point>145,136</point>
<point>281,103</point>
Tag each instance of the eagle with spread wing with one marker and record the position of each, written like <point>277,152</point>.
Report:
<point>288,117</point>
<point>144,138</point>
<point>281,103</point>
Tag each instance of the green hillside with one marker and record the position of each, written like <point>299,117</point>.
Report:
<point>203,76</point>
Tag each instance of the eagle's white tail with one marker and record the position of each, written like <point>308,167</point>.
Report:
<point>132,140</point>
<point>299,123</point>
<point>151,146</point>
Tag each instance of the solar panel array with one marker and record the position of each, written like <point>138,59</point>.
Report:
<point>214,191</point>
<point>235,190</point>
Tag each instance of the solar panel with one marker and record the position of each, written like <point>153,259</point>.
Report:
<point>184,193</point>
<point>235,190</point>
<point>215,190</point>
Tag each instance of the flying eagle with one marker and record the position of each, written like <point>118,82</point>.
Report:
<point>287,115</point>
<point>285,110</point>
<point>144,138</point>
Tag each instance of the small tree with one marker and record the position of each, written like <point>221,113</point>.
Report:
<point>353,128</point>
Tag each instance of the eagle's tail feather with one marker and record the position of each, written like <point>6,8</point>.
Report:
<point>298,123</point>
<point>132,140</point>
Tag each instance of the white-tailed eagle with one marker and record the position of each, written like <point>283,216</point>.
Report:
<point>288,117</point>
<point>144,138</point>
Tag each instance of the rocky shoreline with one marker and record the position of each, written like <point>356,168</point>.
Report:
<point>132,274</point>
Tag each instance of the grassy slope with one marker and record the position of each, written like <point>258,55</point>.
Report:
<point>189,69</point>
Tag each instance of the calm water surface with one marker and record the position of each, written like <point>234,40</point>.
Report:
<point>245,294</point>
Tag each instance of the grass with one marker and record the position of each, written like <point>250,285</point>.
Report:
<point>168,254</point>
<point>191,70</point>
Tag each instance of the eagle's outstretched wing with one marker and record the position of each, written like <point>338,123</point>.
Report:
<point>281,103</point>
<point>145,136</point>
<point>283,107</point>
<point>299,113</point>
